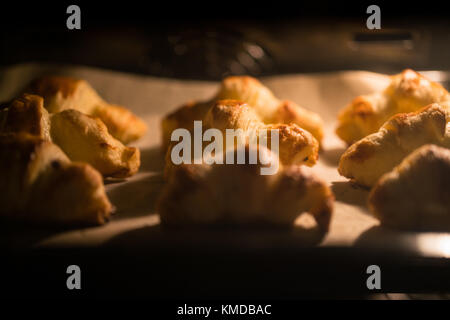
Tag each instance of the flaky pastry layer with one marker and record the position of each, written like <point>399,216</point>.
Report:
<point>40,185</point>
<point>408,91</point>
<point>200,194</point>
<point>249,90</point>
<point>81,137</point>
<point>415,195</point>
<point>368,159</point>
<point>63,93</point>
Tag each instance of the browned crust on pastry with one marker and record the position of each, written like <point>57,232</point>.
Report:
<point>246,90</point>
<point>368,159</point>
<point>240,195</point>
<point>81,137</point>
<point>183,117</point>
<point>296,145</point>
<point>26,114</point>
<point>40,185</point>
<point>84,138</point>
<point>361,108</point>
<point>62,93</point>
<point>289,112</point>
<point>408,91</point>
<point>121,123</point>
<point>415,195</point>
<point>51,85</point>
<point>361,152</point>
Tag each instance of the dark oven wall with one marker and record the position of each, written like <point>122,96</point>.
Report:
<point>208,42</point>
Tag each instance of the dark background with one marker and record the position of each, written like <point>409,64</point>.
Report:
<point>209,40</point>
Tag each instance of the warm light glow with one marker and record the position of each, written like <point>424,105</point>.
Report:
<point>434,244</point>
<point>437,76</point>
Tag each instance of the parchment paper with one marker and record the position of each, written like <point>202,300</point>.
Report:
<point>151,98</point>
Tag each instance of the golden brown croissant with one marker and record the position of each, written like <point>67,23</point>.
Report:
<point>368,159</point>
<point>416,193</point>
<point>296,146</point>
<point>81,137</point>
<point>183,117</point>
<point>62,93</point>
<point>251,91</point>
<point>39,184</point>
<point>408,91</point>
<point>268,107</point>
<point>201,194</point>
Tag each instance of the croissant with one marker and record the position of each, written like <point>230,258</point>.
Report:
<point>183,117</point>
<point>62,93</point>
<point>81,137</point>
<point>368,159</point>
<point>268,107</point>
<point>408,92</point>
<point>201,194</point>
<point>416,193</point>
<point>40,185</point>
<point>296,146</point>
<point>251,91</point>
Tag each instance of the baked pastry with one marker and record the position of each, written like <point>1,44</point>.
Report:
<point>40,185</point>
<point>268,107</point>
<point>368,159</point>
<point>62,93</point>
<point>81,137</point>
<point>296,146</point>
<point>415,195</point>
<point>408,91</point>
<point>251,91</point>
<point>202,194</point>
<point>183,117</point>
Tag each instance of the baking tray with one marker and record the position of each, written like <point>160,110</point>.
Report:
<point>134,230</point>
